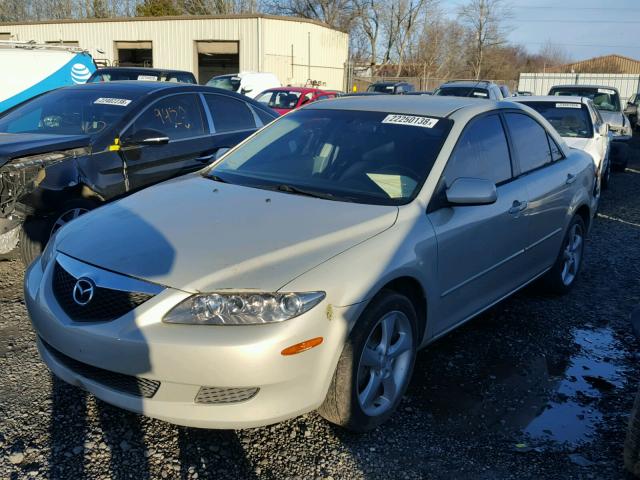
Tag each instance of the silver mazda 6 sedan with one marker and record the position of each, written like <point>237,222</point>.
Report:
<point>308,265</point>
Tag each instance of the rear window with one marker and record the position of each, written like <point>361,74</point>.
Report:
<point>604,99</point>
<point>462,92</point>
<point>569,119</point>
<point>284,100</point>
<point>380,88</point>
<point>355,156</point>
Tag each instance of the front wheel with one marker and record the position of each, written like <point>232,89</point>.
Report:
<point>375,366</point>
<point>36,231</point>
<point>565,270</point>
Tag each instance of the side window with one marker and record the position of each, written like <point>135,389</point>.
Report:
<point>264,117</point>
<point>530,141</point>
<point>177,116</point>
<point>556,153</point>
<point>230,114</point>
<point>481,152</point>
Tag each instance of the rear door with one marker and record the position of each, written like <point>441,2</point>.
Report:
<point>480,247</point>
<point>232,119</point>
<point>548,178</point>
<point>180,117</point>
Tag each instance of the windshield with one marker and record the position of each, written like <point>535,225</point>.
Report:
<point>117,76</point>
<point>68,112</point>
<point>569,119</point>
<point>380,88</point>
<point>604,99</point>
<point>365,157</point>
<point>284,100</point>
<point>226,82</point>
<point>462,92</point>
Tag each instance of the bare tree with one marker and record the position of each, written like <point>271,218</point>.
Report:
<point>485,20</point>
<point>335,13</point>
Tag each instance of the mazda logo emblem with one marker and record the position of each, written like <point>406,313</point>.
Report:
<point>83,291</point>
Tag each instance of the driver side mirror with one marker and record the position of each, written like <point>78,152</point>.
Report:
<point>472,191</point>
<point>146,136</point>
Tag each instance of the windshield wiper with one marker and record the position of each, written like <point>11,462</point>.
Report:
<point>301,191</point>
<point>216,178</point>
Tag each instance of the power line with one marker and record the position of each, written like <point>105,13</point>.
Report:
<point>536,20</point>
<point>574,9</point>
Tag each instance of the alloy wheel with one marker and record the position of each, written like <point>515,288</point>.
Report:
<point>572,254</point>
<point>385,363</point>
<point>66,217</point>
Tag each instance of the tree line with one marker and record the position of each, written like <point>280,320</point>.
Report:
<point>392,38</point>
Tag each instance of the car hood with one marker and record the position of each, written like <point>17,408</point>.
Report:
<point>198,235</point>
<point>612,118</point>
<point>15,145</point>
<point>580,143</point>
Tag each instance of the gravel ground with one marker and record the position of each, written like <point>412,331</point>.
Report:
<point>538,387</point>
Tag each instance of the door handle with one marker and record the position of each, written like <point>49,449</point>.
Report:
<point>571,178</point>
<point>206,158</point>
<point>518,207</point>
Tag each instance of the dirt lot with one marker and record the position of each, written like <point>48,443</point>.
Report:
<point>538,387</point>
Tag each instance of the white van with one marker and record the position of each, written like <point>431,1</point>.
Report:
<point>250,84</point>
<point>30,69</point>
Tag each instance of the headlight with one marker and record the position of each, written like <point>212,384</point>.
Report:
<point>245,308</point>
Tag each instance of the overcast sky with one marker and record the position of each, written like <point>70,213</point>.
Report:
<point>584,28</point>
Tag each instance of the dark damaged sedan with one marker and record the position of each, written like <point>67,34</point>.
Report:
<point>73,149</point>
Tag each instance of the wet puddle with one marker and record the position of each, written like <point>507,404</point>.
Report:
<point>572,414</point>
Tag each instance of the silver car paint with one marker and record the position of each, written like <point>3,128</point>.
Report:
<point>174,235</point>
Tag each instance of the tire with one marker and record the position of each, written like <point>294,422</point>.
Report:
<point>620,156</point>
<point>606,178</point>
<point>557,280</point>
<point>347,403</point>
<point>36,231</point>
<point>632,440</point>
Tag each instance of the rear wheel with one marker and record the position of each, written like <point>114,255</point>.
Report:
<point>632,441</point>
<point>375,366</point>
<point>565,270</point>
<point>36,231</point>
<point>606,177</point>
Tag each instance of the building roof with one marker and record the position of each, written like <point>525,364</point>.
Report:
<point>605,64</point>
<point>172,18</point>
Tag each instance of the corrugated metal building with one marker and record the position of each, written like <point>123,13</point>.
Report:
<point>541,83</point>
<point>296,50</point>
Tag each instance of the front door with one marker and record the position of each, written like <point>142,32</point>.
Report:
<point>480,247</point>
<point>181,118</point>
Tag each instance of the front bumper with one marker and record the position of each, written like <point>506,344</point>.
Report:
<point>184,358</point>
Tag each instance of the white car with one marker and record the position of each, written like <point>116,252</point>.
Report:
<point>580,124</point>
<point>305,269</point>
<point>250,84</point>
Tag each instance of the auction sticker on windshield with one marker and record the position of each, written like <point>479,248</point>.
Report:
<point>412,120</point>
<point>120,102</point>
<point>568,105</point>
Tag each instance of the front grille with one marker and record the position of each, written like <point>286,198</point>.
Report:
<point>136,386</point>
<point>106,304</point>
<point>225,395</point>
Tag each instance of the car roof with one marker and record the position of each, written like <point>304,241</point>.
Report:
<point>294,89</point>
<point>581,87</point>
<point>138,87</point>
<point>425,105</point>
<point>140,69</point>
<point>465,83</point>
<point>550,99</point>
